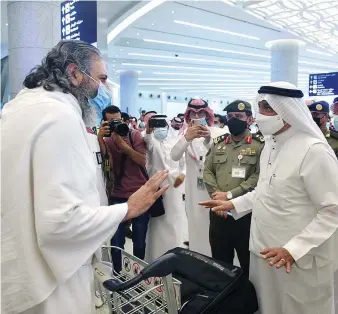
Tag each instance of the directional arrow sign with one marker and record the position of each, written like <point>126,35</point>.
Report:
<point>63,31</point>
<point>63,20</point>
<point>63,10</point>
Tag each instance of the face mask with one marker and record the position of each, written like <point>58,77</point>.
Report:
<point>103,96</point>
<point>317,120</point>
<point>269,125</point>
<point>142,125</point>
<point>236,126</point>
<point>335,122</point>
<point>161,133</point>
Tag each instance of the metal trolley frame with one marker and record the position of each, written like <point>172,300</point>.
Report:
<point>153,295</point>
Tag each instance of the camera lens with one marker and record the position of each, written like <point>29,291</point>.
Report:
<point>122,129</point>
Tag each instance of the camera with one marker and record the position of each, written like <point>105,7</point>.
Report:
<point>157,123</point>
<point>118,127</point>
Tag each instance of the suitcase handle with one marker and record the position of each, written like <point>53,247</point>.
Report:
<point>161,267</point>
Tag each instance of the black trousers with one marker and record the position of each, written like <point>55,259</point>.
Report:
<point>227,235</point>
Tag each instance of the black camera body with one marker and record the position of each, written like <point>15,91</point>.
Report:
<point>118,127</point>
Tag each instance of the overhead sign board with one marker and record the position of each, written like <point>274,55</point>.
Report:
<point>323,84</point>
<point>79,20</point>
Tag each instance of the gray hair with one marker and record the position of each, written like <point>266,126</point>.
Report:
<point>53,71</point>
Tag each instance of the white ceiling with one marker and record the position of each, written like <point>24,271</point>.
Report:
<point>205,57</point>
<point>189,47</point>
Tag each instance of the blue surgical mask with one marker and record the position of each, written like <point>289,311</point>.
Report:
<point>102,99</point>
<point>161,133</point>
<point>335,122</point>
<point>142,125</point>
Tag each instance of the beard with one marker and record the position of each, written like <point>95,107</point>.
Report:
<point>83,93</point>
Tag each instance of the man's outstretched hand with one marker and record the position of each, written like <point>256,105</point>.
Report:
<point>146,196</point>
<point>218,206</point>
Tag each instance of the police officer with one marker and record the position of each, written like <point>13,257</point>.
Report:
<point>231,170</point>
<point>320,111</point>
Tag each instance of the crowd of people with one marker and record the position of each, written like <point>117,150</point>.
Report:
<point>263,187</point>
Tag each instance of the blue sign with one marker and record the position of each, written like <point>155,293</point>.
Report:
<point>79,20</point>
<point>323,84</point>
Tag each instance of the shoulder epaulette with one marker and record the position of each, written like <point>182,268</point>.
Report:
<point>221,138</point>
<point>258,137</point>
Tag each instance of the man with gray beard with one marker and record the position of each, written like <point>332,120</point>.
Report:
<point>52,222</point>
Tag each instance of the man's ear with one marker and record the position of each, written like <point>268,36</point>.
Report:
<point>75,75</point>
<point>250,120</point>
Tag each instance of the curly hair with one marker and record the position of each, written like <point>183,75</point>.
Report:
<point>53,69</point>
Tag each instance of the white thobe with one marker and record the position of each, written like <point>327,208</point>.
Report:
<point>52,221</point>
<point>168,231</point>
<point>198,217</point>
<point>295,206</point>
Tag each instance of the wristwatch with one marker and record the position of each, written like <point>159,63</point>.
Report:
<point>229,196</point>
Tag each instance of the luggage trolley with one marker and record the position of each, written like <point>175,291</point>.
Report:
<point>139,288</point>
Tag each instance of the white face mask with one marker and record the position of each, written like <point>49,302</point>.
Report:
<point>161,133</point>
<point>269,125</point>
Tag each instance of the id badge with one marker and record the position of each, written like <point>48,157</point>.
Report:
<point>200,183</point>
<point>238,172</point>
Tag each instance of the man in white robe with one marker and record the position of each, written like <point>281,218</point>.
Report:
<point>52,222</point>
<point>195,144</point>
<point>294,208</point>
<point>167,231</point>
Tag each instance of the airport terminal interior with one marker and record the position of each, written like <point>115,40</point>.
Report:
<point>164,57</point>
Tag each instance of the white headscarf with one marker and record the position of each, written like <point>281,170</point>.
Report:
<point>294,111</point>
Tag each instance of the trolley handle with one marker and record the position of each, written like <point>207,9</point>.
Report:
<point>161,267</point>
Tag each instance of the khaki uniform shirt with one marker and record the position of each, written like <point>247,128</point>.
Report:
<point>225,155</point>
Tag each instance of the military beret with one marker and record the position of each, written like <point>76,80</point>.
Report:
<point>238,106</point>
<point>320,106</point>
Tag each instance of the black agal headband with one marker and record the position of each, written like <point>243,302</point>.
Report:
<point>293,93</point>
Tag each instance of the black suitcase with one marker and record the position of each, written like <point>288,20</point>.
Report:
<point>212,287</point>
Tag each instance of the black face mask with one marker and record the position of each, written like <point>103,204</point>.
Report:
<point>317,120</point>
<point>236,126</point>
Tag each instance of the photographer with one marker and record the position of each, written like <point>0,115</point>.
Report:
<point>128,152</point>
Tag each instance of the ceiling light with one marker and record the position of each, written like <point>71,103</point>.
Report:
<point>216,30</point>
<point>127,21</point>
<point>127,42</point>
<point>206,48</point>
<point>198,74</point>
<point>173,12</point>
<point>319,64</point>
<point>121,49</point>
<point>319,52</point>
<point>191,68</point>
<point>192,80</point>
<point>200,60</point>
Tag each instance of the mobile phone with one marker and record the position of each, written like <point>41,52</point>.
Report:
<point>157,123</point>
<point>196,121</point>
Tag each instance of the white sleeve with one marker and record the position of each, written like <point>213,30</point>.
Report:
<point>319,166</point>
<point>149,140</point>
<point>243,205</point>
<point>179,149</point>
<point>182,165</point>
<point>208,143</point>
<point>68,229</point>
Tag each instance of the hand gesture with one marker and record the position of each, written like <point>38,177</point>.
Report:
<point>219,196</point>
<point>218,206</point>
<point>179,180</point>
<point>280,256</point>
<point>149,130</point>
<point>146,196</point>
<point>120,143</point>
<point>104,129</point>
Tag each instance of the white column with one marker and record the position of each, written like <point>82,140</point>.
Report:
<point>33,29</point>
<point>284,60</point>
<point>128,92</point>
<point>164,103</point>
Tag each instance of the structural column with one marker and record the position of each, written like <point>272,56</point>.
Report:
<point>128,92</point>
<point>33,29</point>
<point>284,60</point>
